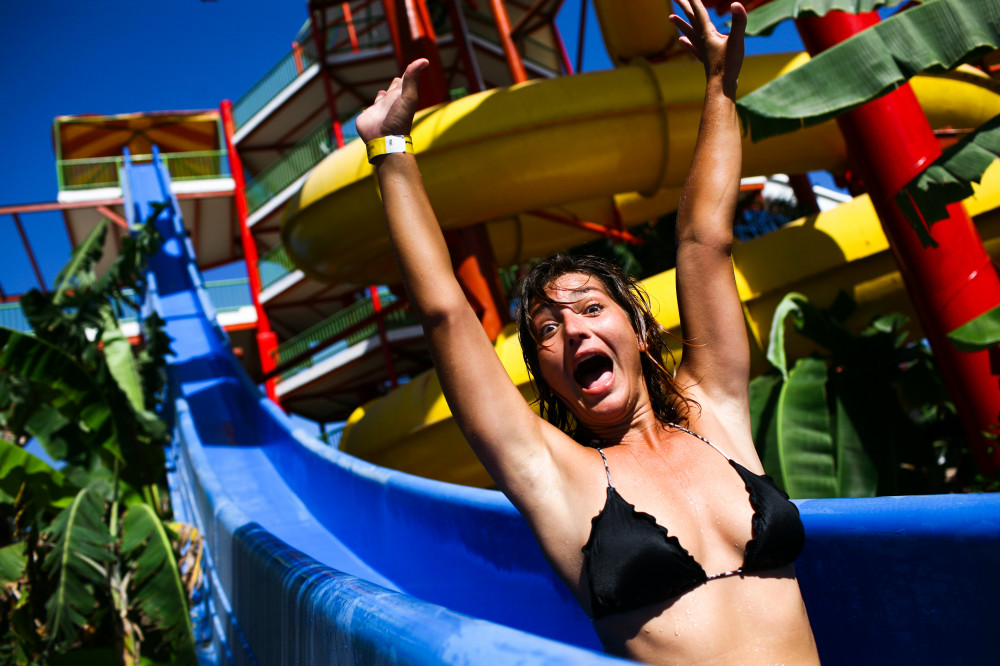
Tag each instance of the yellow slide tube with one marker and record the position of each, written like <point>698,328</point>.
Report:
<point>602,147</point>
<point>412,429</point>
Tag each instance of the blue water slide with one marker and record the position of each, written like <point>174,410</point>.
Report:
<point>316,557</point>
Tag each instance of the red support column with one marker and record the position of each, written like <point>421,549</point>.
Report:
<point>514,63</point>
<point>889,141</point>
<point>319,40</point>
<point>267,341</point>
<point>383,335</point>
<point>31,254</point>
<point>477,272</point>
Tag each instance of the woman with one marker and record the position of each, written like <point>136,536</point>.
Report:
<point>599,510</point>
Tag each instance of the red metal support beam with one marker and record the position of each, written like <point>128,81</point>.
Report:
<point>319,39</point>
<point>267,341</point>
<point>599,229</point>
<point>113,216</point>
<point>889,141</point>
<point>349,20</point>
<point>514,63</point>
<point>383,335</point>
<point>29,251</point>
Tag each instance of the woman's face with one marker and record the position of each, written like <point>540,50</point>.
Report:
<point>588,352</point>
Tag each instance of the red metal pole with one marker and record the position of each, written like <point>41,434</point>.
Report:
<point>514,63</point>
<point>31,254</point>
<point>267,341</point>
<point>889,141</point>
<point>349,19</point>
<point>383,336</point>
<point>319,38</point>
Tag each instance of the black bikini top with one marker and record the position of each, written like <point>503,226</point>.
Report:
<point>632,562</point>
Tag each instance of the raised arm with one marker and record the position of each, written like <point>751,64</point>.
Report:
<point>487,406</point>
<point>717,360</point>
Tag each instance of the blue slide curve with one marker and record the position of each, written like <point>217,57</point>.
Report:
<point>316,557</point>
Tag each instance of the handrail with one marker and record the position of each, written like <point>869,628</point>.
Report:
<point>292,165</point>
<point>274,81</point>
<point>90,172</point>
<point>354,324</point>
<point>226,296</point>
<point>274,265</point>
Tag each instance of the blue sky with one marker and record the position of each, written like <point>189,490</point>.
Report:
<point>64,57</point>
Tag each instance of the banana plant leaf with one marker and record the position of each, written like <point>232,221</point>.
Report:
<point>949,179</point>
<point>934,37</point>
<point>13,562</point>
<point>121,362</point>
<point>42,485</point>
<point>804,441</point>
<point>764,392</point>
<point>79,271</point>
<point>160,591</point>
<point>980,333</point>
<point>764,19</point>
<point>79,560</point>
<point>789,305</point>
<point>68,412</point>
<point>856,418</point>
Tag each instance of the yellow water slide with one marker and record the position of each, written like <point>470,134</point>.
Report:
<point>611,148</point>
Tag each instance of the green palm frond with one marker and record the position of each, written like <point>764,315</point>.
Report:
<point>933,37</point>
<point>67,411</point>
<point>40,486</point>
<point>949,179</point>
<point>13,561</point>
<point>160,592</point>
<point>79,559</point>
<point>765,18</point>
<point>79,272</point>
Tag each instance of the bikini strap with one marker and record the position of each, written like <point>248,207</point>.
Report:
<point>694,434</point>
<point>607,470</point>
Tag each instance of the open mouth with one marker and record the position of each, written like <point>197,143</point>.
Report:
<point>594,372</point>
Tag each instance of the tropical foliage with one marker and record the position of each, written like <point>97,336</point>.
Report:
<point>89,567</point>
<point>931,38</point>
<point>865,415</point>
<point>763,20</point>
<point>949,179</point>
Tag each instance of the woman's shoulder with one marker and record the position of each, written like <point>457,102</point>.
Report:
<point>728,428</point>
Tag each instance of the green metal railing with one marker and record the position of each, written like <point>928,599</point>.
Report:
<point>274,265</point>
<point>370,30</point>
<point>226,296</point>
<point>291,166</point>
<point>277,79</point>
<point>88,173</point>
<point>360,314</point>
<point>11,316</point>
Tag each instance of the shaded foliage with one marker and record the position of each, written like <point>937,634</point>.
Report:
<point>89,570</point>
<point>866,415</point>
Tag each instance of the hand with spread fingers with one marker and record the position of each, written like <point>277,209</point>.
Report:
<point>721,54</point>
<point>393,109</point>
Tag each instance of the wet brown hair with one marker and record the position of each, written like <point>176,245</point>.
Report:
<point>670,405</point>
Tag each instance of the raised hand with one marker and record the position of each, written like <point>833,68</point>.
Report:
<point>393,109</point>
<point>722,55</point>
